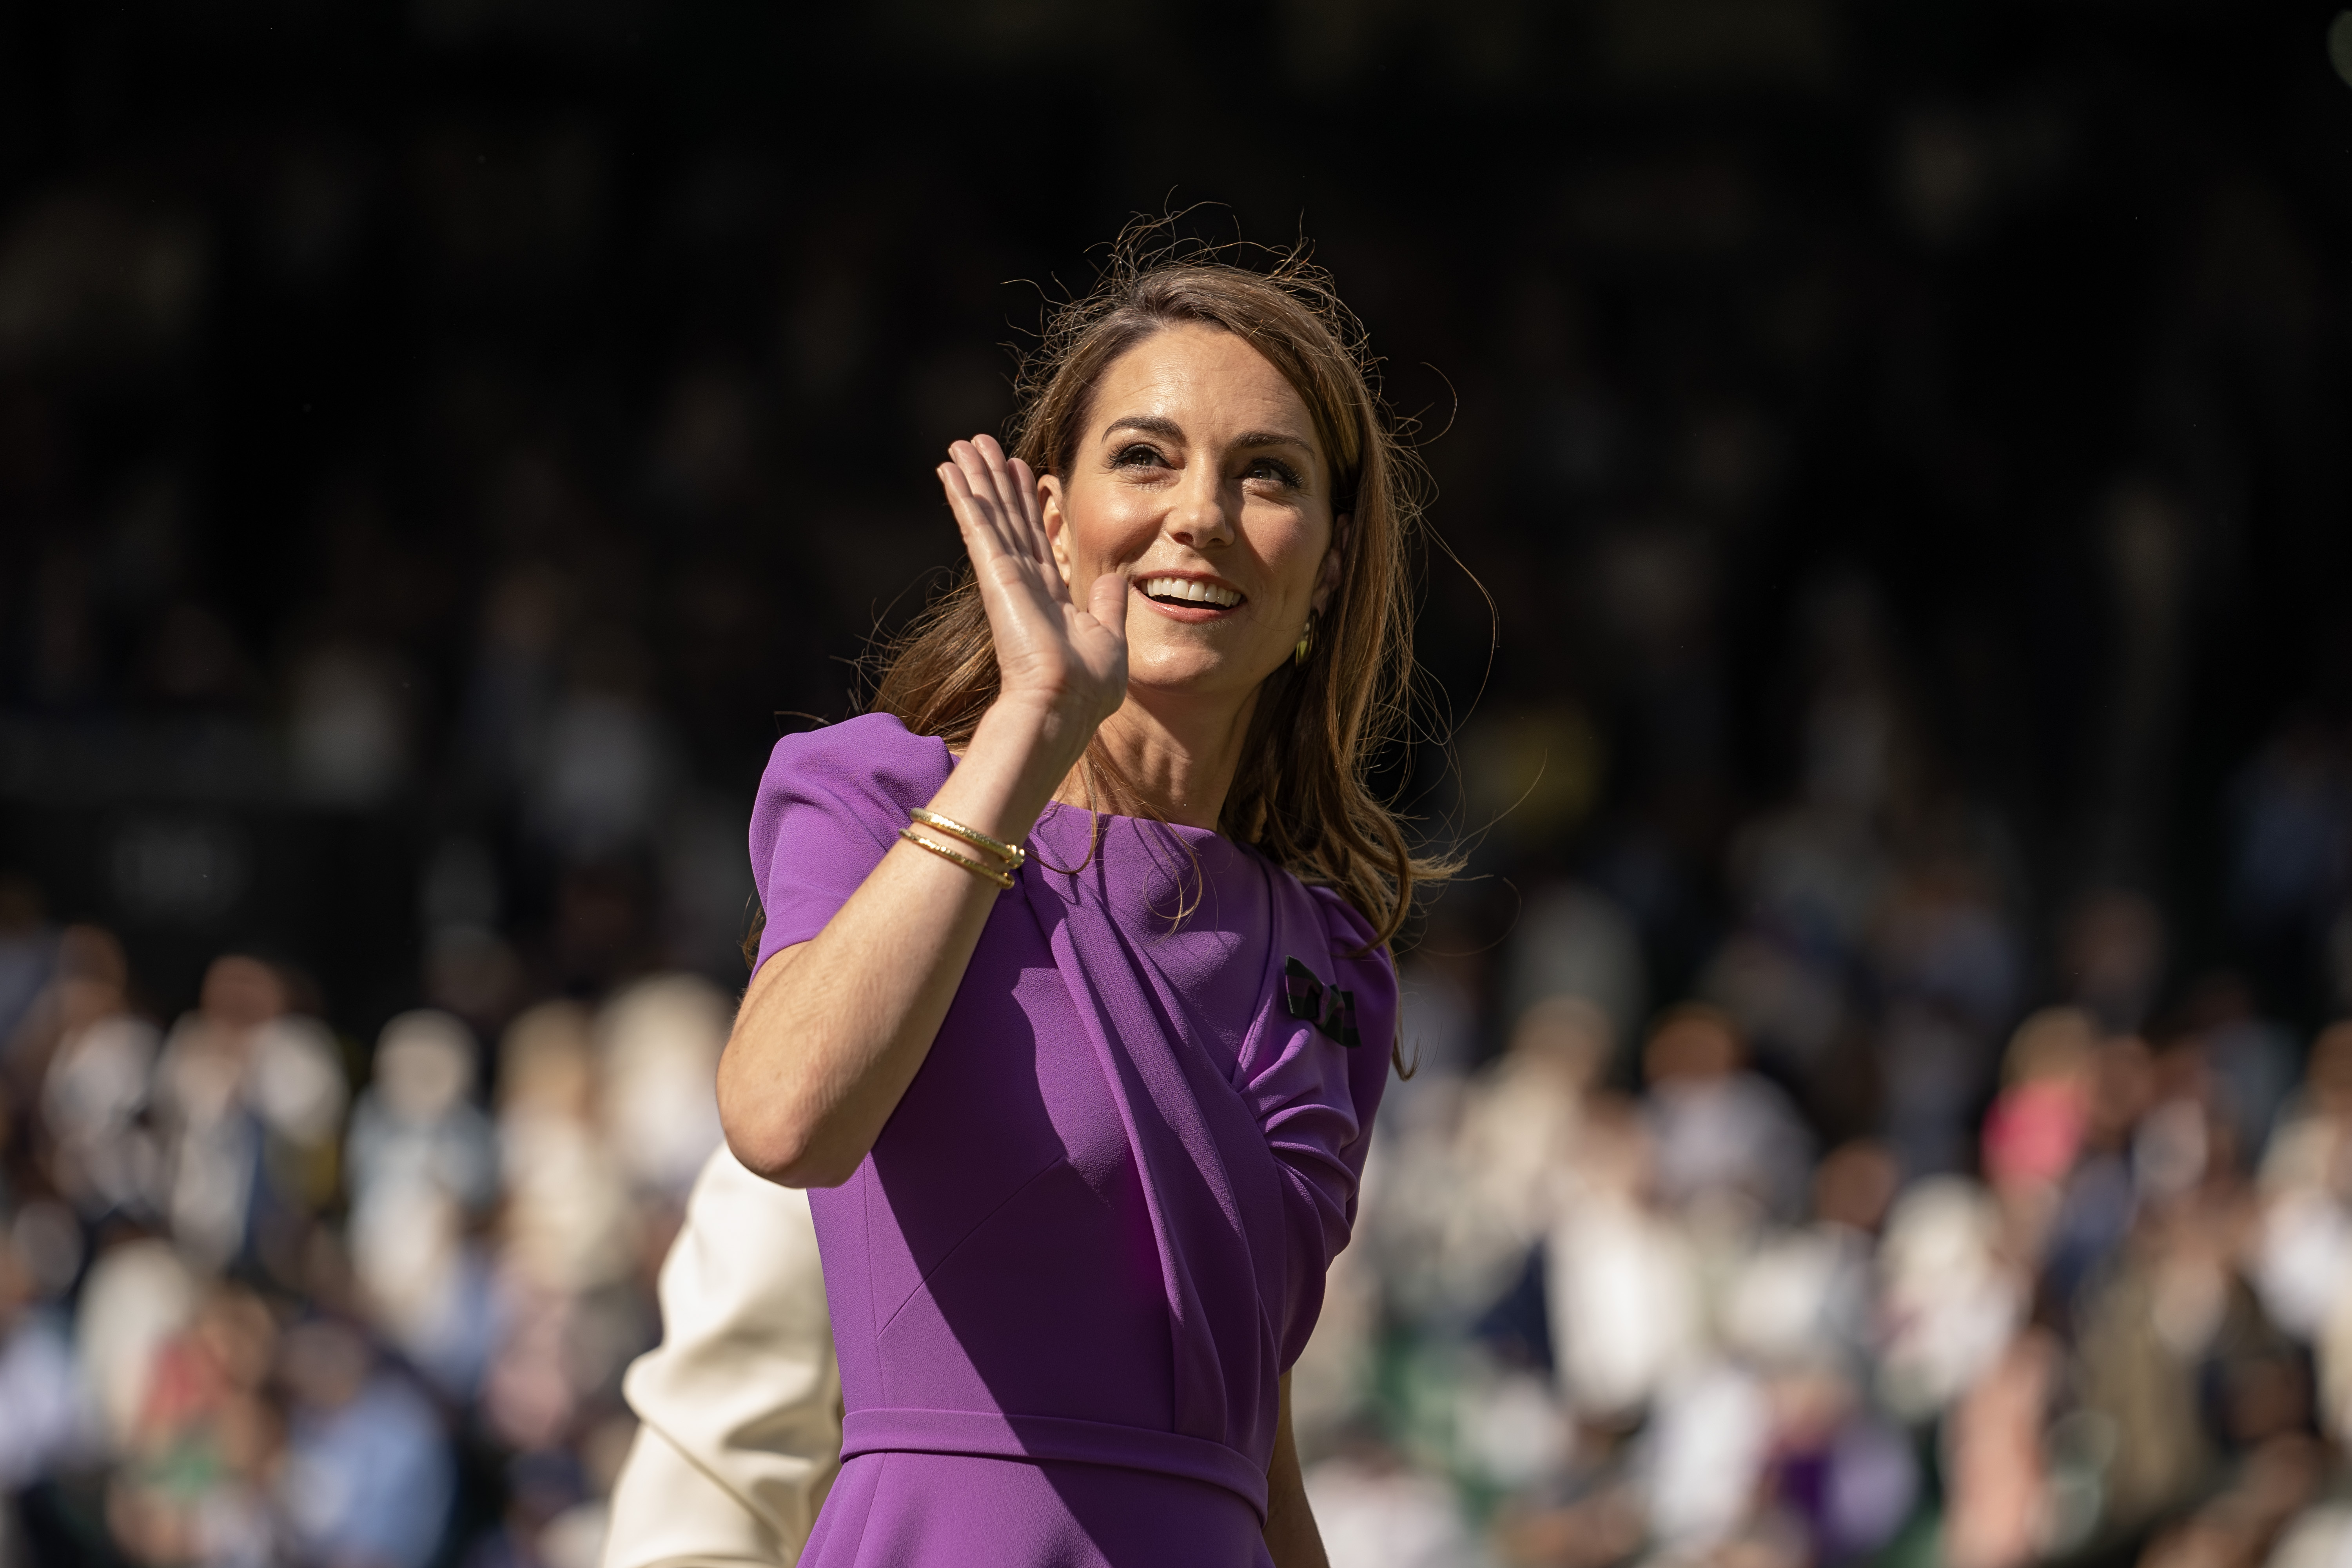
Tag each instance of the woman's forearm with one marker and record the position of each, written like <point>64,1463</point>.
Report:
<point>832,1030</point>
<point>1291,1538</point>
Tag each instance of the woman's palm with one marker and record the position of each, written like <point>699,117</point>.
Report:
<point>1047,644</point>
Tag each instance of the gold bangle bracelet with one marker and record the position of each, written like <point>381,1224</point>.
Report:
<point>1013,855</point>
<point>988,873</point>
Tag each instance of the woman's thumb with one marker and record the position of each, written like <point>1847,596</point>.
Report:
<point>1106,602</point>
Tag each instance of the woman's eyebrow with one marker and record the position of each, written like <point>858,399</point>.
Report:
<point>1273,439</point>
<point>1158,425</point>
<point>1149,424</point>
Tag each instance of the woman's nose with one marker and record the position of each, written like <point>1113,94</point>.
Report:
<point>1200,516</point>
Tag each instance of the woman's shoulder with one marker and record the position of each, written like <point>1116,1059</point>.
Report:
<point>868,764</point>
<point>1350,936</point>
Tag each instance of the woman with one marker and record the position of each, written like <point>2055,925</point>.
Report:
<point>1070,947</point>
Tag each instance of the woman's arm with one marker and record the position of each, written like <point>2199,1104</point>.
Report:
<point>1291,1537</point>
<point>832,1030</point>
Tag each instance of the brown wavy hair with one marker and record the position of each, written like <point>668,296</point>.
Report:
<point>1303,792</point>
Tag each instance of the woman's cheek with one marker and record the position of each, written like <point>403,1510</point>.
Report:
<point>1287,539</point>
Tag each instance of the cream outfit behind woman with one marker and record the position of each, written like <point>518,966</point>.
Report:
<point>741,1402</point>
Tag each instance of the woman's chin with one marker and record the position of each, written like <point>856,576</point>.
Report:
<point>1191,672</point>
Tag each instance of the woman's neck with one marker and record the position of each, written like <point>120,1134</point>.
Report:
<point>1175,757</point>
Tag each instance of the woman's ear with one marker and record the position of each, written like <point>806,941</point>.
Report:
<point>1327,581</point>
<point>1058,532</point>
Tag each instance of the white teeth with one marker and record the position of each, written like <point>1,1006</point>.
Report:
<point>1190,589</point>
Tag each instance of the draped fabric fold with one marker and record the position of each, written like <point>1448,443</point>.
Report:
<point>1209,1182</point>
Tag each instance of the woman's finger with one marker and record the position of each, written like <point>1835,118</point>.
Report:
<point>984,539</point>
<point>1032,515</point>
<point>961,502</point>
<point>1007,492</point>
<point>989,460</point>
<point>1008,547</point>
<point>1001,477</point>
<point>974,469</point>
<point>1021,526</point>
<point>972,493</point>
<point>1000,562</point>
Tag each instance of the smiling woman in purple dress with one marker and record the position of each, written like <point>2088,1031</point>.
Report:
<point>1074,995</point>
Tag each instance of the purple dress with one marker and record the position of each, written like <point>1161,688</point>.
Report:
<point>1095,1231</point>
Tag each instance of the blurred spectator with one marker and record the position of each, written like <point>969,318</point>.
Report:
<point>1383,1515</point>
<point>195,1482</point>
<point>1717,1129</point>
<point>51,1425</point>
<point>658,1045</point>
<point>2035,1132</point>
<point>1627,1316</point>
<point>568,1216</point>
<point>251,1102</point>
<point>1994,1459</point>
<point>1951,1301</point>
<point>139,1296</point>
<point>1527,1115</point>
<point>367,1476</point>
<point>102,1153</point>
<point>423,1171</point>
<point>2302,1254</point>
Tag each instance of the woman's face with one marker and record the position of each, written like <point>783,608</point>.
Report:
<point>1199,478</point>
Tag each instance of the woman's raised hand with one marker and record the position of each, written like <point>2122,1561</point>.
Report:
<point>1071,656</point>
<point>832,1030</point>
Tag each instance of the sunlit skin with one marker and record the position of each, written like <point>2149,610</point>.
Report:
<point>1200,463</point>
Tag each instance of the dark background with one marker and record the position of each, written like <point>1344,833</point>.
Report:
<point>411,416</point>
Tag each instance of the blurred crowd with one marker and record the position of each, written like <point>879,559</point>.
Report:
<point>1856,1250</point>
<point>249,1316</point>
<point>1919,1224</point>
<point>1932,1192</point>
<point>2080,1290</point>
<point>1611,1305</point>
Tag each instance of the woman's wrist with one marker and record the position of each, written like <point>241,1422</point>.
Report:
<point>1023,748</point>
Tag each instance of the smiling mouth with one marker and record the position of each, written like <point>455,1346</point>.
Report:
<point>1189,593</point>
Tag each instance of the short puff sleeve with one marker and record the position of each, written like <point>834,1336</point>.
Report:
<point>830,802</point>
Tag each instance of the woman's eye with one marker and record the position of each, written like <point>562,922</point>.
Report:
<point>1272,468</point>
<point>1137,457</point>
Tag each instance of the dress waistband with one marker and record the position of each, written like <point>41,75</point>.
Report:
<point>1002,1437</point>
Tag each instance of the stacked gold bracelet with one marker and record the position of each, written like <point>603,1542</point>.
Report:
<point>1013,855</point>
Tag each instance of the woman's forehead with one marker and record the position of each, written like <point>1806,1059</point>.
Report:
<point>1204,376</point>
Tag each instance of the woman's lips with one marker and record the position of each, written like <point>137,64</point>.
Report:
<point>1183,596</point>
<point>1178,587</point>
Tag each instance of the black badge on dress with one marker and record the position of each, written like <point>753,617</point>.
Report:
<point>1331,1009</point>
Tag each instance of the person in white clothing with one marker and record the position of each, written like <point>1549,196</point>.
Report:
<point>741,1402</point>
